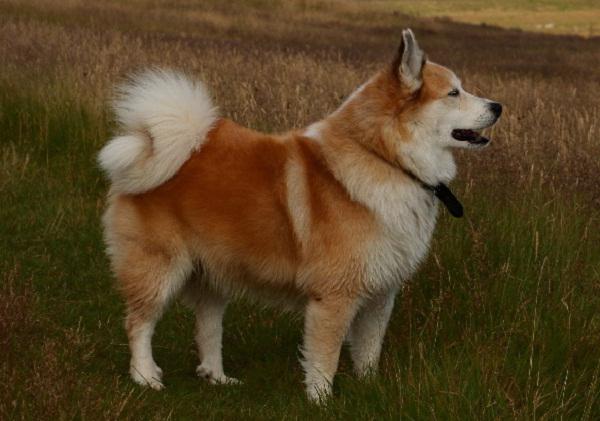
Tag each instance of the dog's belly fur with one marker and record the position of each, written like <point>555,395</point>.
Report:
<point>265,217</point>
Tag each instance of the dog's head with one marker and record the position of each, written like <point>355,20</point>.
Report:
<point>438,109</point>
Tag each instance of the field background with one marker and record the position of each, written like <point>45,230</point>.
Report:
<point>580,17</point>
<point>502,321</point>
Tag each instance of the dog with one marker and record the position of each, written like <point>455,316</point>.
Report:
<point>331,219</point>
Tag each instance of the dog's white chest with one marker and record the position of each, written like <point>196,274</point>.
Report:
<point>407,216</point>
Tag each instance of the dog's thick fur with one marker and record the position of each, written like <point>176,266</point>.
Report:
<point>326,219</point>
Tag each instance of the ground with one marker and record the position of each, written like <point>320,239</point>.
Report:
<point>501,321</point>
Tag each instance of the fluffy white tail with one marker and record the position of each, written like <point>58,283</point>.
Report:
<point>164,117</point>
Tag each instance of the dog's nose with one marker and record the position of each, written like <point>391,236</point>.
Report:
<point>496,108</point>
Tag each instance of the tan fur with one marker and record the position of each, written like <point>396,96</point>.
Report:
<point>228,202</point>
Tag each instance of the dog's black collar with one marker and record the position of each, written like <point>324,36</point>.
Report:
<point>442,192</point>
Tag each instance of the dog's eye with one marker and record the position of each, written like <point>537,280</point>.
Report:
<point>453,92</point>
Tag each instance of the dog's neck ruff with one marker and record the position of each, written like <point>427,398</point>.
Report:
<point>442,192</point>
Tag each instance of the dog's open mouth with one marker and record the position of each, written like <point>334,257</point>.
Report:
<point>471,136</point>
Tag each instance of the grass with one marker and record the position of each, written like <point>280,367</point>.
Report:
<point>501,322</point>
<point>579,17</point>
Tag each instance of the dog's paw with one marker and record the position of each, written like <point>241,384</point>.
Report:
<point>149,375</point>
<point>214,377</point>
<point>319,393</point>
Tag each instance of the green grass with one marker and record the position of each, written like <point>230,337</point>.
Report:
<point>502,321</point>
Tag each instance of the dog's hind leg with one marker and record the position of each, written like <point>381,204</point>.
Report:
<point>149,278</point>
<point>210,309</point>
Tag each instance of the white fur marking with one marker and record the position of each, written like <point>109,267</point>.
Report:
<point>314,130</point>
<point>142,367</point>
<point>164,117</point>
<point>297,200</point>
<point>210,309</point>
<point>368,330</point>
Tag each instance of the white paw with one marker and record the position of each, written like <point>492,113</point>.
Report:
<point>318,393</point>
<point>215,376</point>
<point>147,374</point>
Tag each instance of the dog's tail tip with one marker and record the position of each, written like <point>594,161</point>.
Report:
<point>164,116</point>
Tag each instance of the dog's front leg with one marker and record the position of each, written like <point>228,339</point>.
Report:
<point>367,332</point>
<point>326,322</point>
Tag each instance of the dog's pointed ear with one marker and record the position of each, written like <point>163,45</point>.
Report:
<point>409,62</point>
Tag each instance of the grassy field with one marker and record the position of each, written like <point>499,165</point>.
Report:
<point>580,17</point>
<point>502,321</point>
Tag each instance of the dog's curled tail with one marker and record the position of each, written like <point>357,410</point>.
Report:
<point>164,117</point>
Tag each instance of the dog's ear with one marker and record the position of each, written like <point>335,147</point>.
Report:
<point>409,62</point>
